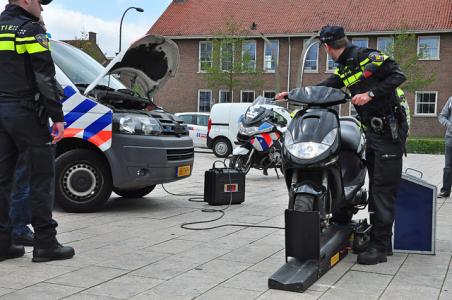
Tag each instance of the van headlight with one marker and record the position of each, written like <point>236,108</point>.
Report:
<point>136,124</point>
<point>309,150</point>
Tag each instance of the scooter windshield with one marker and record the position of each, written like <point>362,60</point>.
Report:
<point>318,96</point>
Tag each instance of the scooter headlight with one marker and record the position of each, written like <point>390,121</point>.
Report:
<point>309,150</point>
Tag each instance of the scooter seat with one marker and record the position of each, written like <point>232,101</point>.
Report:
<point>350,134</point>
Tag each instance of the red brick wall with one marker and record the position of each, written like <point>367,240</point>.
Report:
<point>181,93</point>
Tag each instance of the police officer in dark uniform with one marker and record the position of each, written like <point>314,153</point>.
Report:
<point>372,79</point>
<point>29,95</point>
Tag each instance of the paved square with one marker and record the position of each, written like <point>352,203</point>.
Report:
<point>135,249</point>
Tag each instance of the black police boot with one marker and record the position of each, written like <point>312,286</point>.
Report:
<point>444,194</point>
<point>14,251</point>
<point>372,256</point>
<point>59,252</point>
<point>24,240</point>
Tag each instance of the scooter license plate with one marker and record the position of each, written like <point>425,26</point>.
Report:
<point>183,171</point>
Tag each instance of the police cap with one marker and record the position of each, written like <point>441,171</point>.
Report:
<point>330,34</point>
<point>45,2</point>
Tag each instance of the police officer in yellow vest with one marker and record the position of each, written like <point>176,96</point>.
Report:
<point>29,95</point>
<point>372,79</point>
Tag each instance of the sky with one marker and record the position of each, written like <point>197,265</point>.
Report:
<point>67,19</point>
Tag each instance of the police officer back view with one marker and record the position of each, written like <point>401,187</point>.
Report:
<point>372,79</point>
<point>26,146</point>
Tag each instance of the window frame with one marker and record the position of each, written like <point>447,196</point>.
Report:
<point>416,113</point>
<point>233,57</point>
<point>316,60</point>
<point>326,67</point>
<point>419,43</point>
<point>361,38</point>
<point>384,37</point>
<point>277,56</point>
<point>199,99</point>
<point>247,91</point>
<point>255,53</point>
<point>225,90</point>
<point>268,91</point>
<point>199,56</point>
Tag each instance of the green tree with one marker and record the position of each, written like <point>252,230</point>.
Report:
<point>83,43</point>
<point>232,65</point>
<point>404,51</point>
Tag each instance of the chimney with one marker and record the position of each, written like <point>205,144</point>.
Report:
<point>179,1</point>
<point>92,37</point>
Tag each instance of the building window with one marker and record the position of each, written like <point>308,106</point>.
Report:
<point>249,55</point>
<point>361,42</point>
<point>227,56</point>
<point>385,44</point>
<point>205,56</point>
<point>352,111</point>
<point>247,96</point>
<point>269,94</point>
<point>425,103</point>
<point>312,58</point>
<point>331,65</point>
<point>271,56</point>
<point>225,96</point>
<point>428,47</point>
<point>204,100</point>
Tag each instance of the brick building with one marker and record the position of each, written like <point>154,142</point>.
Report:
<point>288,23</point>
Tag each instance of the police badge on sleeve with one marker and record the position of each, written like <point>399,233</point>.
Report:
<point>43,40</point>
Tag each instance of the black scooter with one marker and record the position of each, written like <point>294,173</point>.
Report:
<point>323,163</point>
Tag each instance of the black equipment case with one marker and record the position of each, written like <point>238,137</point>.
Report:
<point>222,184</point>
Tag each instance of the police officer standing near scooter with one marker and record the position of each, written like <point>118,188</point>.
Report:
<point>28,97</point>
<point>372,79</point>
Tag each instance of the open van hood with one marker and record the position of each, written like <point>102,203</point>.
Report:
<point>145,66</point>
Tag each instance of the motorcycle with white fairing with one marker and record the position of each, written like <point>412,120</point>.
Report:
<point>260,131</point>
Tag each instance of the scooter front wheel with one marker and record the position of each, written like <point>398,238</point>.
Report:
<point>239,162</point>
<point>303,203</point>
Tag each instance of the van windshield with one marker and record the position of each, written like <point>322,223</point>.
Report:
<point>81,68</point>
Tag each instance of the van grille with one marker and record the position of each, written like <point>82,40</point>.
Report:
<point>173,128</point>
<point>180,154</point>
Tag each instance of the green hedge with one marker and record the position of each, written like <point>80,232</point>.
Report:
<point>425,145</point>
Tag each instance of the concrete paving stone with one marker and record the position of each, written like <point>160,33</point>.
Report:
<point>391,267</point>
<point>248,280</point>
<point>222,268</point>
<point>74,236</point>
<point>154,295</point>
<point>231,242</point>
<point>5,291</point>
<point>427,279</point>
<point>86,296</point>
<point>443,245</point>
<point>22,277</point>
<point>397,291</point>
<point>44,290</point>
<point>133,260</point>
<point>202,254</point>
<point>208,235</point>
<point>124,287</point>
<point>268,266</point>
<point>358,285</point>
<point>173,246</point>
<point>224,293</point>
<point>272,239</point>
<point>166,269</point>
<point>190,284</point>
<point>87,277</point>
<point>427,264</point>
<point>283,295</point>
<point>251,254</point>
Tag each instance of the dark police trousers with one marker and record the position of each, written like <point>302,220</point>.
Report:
<point>384,164</point>
<point>447,174</point>
<point>27,156</point>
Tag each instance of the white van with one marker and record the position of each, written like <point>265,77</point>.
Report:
<point>115,138</point>
<point>223,125</point>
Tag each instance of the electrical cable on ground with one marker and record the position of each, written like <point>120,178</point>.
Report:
<point>197,198</point>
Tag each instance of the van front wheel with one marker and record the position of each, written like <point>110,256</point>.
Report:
<point>222,147</point>
<point>83,181</point>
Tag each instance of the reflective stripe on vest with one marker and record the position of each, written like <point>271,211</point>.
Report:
<point>22,45</point>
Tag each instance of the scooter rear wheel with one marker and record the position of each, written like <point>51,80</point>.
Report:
<point>303,203</point>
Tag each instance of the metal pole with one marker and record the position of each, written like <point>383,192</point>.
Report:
<point>307,46</point>
<point>122,19</point>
